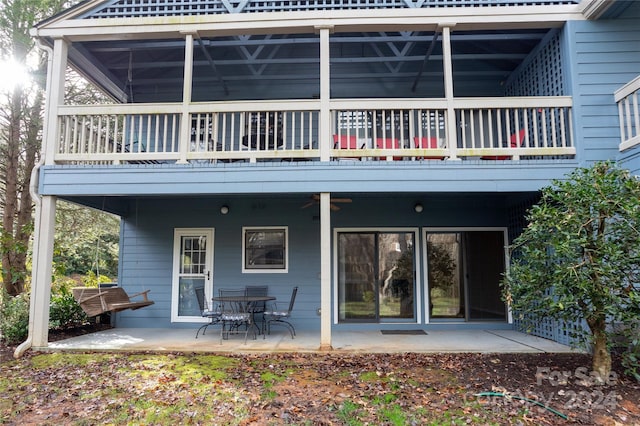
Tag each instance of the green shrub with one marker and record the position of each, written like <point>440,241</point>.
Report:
<point>64,311</point>
<point>60,281</point>
<point>631,362</point>
<point>14,318</point>
<point>91,280</point>
<point>631,355</point>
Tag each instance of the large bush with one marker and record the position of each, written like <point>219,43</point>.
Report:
<point>14,318</point>
<point>579,258</point>
<point>64,311</point>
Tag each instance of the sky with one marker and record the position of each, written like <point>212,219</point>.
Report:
<point>12,74</point>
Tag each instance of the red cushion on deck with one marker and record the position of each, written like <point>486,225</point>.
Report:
<point>345,142</point>
<point>513,142</point>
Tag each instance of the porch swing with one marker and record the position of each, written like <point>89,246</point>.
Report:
<point>97,301</point>
<point>102,300</point>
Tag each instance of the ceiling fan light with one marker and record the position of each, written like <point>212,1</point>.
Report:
<point>315,200</point>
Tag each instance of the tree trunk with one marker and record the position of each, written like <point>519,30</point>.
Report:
<point>601,363</point>
<point>24,219</point>
<point>21,152</point>
<point>10,269</point>
<point>21,126</point>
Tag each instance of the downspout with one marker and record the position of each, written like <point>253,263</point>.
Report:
<point>33,190</point>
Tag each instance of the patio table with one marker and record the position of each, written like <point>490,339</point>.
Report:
<point>249,300</point>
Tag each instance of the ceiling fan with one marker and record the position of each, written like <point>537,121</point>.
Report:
<point>315,199</point>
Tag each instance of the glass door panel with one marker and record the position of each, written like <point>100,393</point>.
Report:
<point>395,275</point>
<point>376,273</point>
<point>356,277</point>
<point>485,265</point>
<point>444,268</point>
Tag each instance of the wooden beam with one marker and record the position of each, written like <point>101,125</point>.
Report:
<point>213,66</point>
<point>434,40</point>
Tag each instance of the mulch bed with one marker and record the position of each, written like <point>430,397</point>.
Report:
<point>6,351</point>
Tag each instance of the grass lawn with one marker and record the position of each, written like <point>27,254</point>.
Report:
<point>288,388</point>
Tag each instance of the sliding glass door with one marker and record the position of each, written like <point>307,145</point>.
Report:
<point>464,269</point>
<point>376,272</point>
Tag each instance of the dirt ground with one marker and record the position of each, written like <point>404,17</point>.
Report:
<point>546,385</point>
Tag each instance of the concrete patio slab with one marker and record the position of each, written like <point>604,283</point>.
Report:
<point>183,340</point>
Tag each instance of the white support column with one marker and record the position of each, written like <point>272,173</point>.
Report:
<point>185,120</point>
<point>324,132</point>
<point>325,271</point>
<point>452,133</point>
<point>55,98</point>
<point>45,207</point>
<point>45,226</point>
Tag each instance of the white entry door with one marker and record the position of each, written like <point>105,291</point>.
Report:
<point>192,271</point>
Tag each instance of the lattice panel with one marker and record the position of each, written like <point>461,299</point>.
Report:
<point>558,331</point>
<point>542,76</point>
<point>151,8</point>
<point>566,333</point>
<point>517,219</point>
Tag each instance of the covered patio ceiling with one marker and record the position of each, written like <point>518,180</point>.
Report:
<point>287,66</point>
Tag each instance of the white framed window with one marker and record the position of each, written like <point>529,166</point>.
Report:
<point>265,249</point>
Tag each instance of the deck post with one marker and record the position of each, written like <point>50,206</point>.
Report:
<point>451,132</point>
<point>324,131</point>
<point>185,118</point>
<point>56,73</point>
<point>325,271</point>
<point>45,225</point>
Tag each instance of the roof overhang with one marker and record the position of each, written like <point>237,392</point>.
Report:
<point>305,22</point>
<point>597,9</point>
<point>90,38</point>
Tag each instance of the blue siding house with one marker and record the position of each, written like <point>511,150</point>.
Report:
<point>380,155</point>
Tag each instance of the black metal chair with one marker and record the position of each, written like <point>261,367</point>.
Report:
<point>207,311</point>
<point>234,313</point>
<point>257,307</point>
<point>280,317</point>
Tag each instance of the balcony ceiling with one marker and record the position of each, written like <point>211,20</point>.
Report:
<point>380,64</point>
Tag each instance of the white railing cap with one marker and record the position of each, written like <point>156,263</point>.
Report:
<point>627,89</point>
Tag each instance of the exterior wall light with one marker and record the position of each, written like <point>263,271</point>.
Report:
<point>418,208</point>
<point>224,209</point>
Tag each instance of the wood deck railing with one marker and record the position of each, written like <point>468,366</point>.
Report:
<point>379,129</point>
<point>627,99</point>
